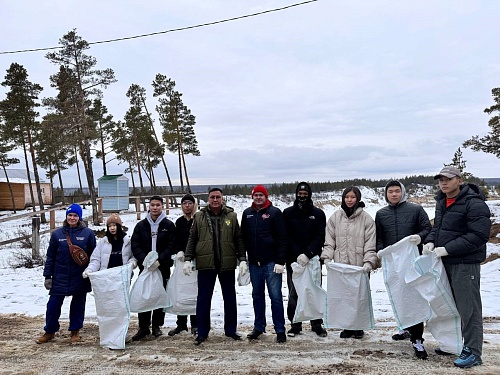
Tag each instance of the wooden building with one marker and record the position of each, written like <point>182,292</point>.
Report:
<point>18,180</point>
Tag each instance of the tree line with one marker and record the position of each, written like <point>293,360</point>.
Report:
<point>77,126</point>
<point>410,182</point>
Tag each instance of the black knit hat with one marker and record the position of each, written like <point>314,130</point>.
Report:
<point>303,186</point>
<point>188,197</point>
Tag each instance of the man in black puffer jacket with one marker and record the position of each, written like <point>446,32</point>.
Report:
<point>461,230</point>
<point>264,236</point>
<point>305,227</point>
<point>394,222</point>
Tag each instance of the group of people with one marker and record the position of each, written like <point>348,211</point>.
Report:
<point>268,241</point>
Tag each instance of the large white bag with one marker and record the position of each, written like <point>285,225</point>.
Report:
<point>311,301</point>
<point>408,306</point>
<point>111,293</point>
<point>349,298</point>
<point>182,292</point>
<point>428,276</point>
<point>148,292</point>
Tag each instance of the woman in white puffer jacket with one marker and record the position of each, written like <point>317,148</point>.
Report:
<point>350,239</point>
<point>113,250</point>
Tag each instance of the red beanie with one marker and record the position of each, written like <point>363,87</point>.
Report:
<point>260,189</point>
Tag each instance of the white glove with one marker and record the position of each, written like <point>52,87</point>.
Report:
<point>86,273</point>
<point>278,268</point>
<point>134,264</point>
<point>180,256</point>
<point>302,259</point>
<point>154,266</point>
<point>326,261</point>
<point>428,247</point>
<point>440,252</point>
<point>415,238</point>
<point>243,268</point>
<point>187,268</point>
<point>367,267</point>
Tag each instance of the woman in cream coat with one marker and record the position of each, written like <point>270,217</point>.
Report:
<point>350,239</point>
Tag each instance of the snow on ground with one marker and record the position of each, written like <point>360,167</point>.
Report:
<point>23,291</point>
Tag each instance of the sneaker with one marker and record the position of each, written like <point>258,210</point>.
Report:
<point>157,332</point>
<point>359,334</point>
<point>75,337</point>
<point>177,330</point>
<point>320,331</point>
<point>345,334</point>
<point>402,335</point>
<point>419,349</point>
<point>194,330</point>
<point>467,359</point>
<point>141,333</point>
<point>292,332</point>
<point>254,334</point>
<point>281,338</point>
<point>46,337</point>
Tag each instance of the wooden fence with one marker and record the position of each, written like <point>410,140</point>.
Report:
<point>172,200</point>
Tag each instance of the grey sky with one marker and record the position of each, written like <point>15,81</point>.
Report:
<point>330,90</point>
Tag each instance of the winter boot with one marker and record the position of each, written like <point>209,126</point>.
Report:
<point>46,337</point>
<point>75,336</point>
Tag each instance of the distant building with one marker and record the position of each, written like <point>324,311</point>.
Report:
<point>113,189</point>
<point>18,179</point>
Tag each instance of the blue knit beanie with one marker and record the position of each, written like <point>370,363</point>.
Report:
<point>74,209</point>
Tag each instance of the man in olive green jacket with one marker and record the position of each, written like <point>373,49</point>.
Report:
<point>216,244</point>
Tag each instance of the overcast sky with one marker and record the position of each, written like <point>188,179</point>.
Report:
<point>329,90</point>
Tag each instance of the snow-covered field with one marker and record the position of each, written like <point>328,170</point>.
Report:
<point>22,290</point>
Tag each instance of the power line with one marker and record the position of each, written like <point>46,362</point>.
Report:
<point>169,31</point>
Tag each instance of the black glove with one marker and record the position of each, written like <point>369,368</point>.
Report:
<point>48,284</point>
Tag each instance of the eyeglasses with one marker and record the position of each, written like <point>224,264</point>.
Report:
<point>215,197</point>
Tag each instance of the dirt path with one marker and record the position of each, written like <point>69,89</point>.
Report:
<point>305,354</point>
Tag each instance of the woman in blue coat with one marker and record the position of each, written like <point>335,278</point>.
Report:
<point>63,277</point>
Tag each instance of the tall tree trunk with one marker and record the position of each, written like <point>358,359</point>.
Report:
<point>138,162</point>
<point>180,170</point>
<point>37,178</point>
<point>131,173</point>
<point>10,188</point>
<point>59,175</point>
<point>78,171</point>
<point>151,125</point>
<point>29,176</point>
<point>185,171</point>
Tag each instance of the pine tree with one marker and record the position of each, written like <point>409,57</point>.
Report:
<point>105,127</point>
<point>7,146</point>
<point>137,95</point>
<point>460,163</point>
<point>177,122</point>
<point>21,126</point>
<point>84,81</point>
<point>490,143</point>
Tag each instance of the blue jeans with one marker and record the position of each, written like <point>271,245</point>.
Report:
<point>76,312</point>
<point>260,276</point>
<point>206,285</point>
